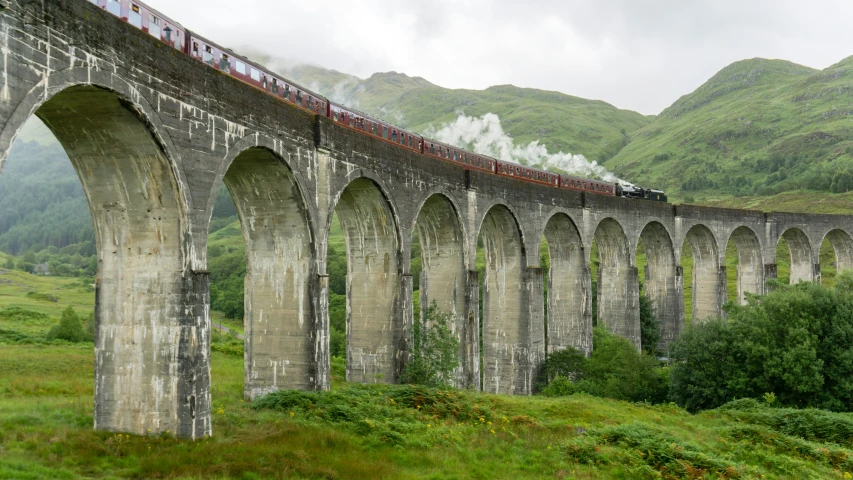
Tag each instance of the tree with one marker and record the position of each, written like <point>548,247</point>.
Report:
<point>436,352</point>
<point>649,326</point>
<point>69,328</point>
<point>793,342</point>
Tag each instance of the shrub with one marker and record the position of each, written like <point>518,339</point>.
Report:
<point>436,352</point>
<point>793,342</point>
<point>69,328</point>
<point>615,369</point>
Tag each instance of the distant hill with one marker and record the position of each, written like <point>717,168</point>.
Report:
<point>561,122</point>
<point>758,127</point>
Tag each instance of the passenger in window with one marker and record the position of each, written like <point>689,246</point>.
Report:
<point>275,86</point>
<point>195,49</point>
<point>264,81</point>
<point>287,91</point>
<point>225,64</point>
<point>394,135</point>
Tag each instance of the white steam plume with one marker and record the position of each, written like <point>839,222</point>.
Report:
<point>485,136</point>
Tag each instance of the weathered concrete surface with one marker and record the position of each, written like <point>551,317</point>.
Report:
<point>153,133</point>
<point>279,313</point>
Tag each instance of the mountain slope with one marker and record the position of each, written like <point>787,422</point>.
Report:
<point>757,127</point>
<point>561,122</point>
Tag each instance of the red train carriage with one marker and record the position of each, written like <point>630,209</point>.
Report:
<point>468,160</point>
<point>364,123</point>
<point>587,185</point>
<point>530,174</point>
<point>148,20</point>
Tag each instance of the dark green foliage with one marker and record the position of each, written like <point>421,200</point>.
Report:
<point>387,414</point>
<point>651,451</point>
<point>809,424</point>
<point>436,352</point>
<point>337,324</point>
<point>42,203</point>
<point>226,343</point>
<point>793,342</point>
<point>649,326</point>
<point>615,369</point>
<point>69,328</point>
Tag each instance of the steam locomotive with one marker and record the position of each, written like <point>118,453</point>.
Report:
<point>231,63</point>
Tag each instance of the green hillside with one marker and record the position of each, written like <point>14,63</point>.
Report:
<point>561,122</point>
<point>758,127</point>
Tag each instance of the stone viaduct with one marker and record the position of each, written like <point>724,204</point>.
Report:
<point>152,134</point>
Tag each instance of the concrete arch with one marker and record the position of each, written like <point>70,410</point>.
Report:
<point>842,243</point>
<point>802,263</point>
<point>569,322</point>
<point>279,314</point>
<point>480,219</point>
<point>152,324</point>
<point>708,275</point>
<point>276,148</point>
<point>663,282</point>
<point>618,286</point>
<point>377,335</point>
<point>750,268</point>
<point>509,355</point>
<point>444,277</point>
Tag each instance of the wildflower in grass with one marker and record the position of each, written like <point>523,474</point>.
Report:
<point>493,431</point>
<point>482,419</point>
<point>292,414</point>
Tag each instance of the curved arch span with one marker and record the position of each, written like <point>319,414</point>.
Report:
<point>663,283</point>
<point>280,332</point>
<point>618,285</point>
<point>802,263</point>
<point>708,276</point>
<point>569,304</point>
<point>750,268</point>
<point>152,324</point>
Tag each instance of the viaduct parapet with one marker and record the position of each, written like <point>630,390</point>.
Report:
<point>153,133</point>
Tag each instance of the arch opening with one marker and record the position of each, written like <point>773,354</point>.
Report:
<point>744,263</point>
<point>617,283</point>
<point>507,358</point>
<point>662,283</point>
<point>278,313</point>
<point>150,320</point>
<point>376,342</point>
<point>793,257</point>
<point>836,250</point>
<point>442,278</point>
<point>707,277</point>
<point>568,302</point>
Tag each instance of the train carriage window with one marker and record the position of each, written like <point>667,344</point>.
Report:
<point>240,66</point>
<point>154,26</point>
<point>286,91</point>
<point>133,16</point>
<point>394,135</point>
<point>432,148</point>
<point>299,97</point>
<point>384,132</point>
<point>309,102</point>
<point>264,81</point>
<point>275,86</point>
<point>167,34</point>
<point>455,156</point>
<point>335,115</point>
<point>114,7</point>
<point>207,56</point>
<point>374,128</point>
<point>224,63</point>
<point>195,49</point>
<point>255,74</point>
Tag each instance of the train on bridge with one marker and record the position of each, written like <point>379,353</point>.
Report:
<point>230,63</point>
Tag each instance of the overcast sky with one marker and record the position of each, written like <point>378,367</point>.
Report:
<point>636,54</point>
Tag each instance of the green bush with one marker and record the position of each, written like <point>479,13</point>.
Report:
<point>69,328</point>
<point>436,352</point>
<point>793,342</point>
<point>615,369</point>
